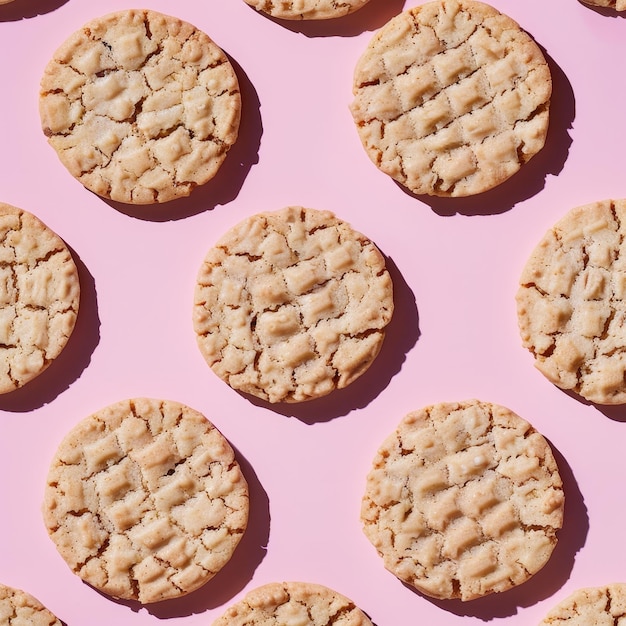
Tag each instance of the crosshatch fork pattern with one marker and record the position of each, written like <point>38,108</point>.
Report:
<point>463,500</point>
<point>145,500</point>
<point>451,98</point>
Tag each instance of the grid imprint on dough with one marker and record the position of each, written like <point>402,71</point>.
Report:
<point>453,102</point>
<point>572,302</point>
<point>141,107</point>
<point>158,507</point>
<point>462,522</point>
<point>292,305</point>
<point>39,296</point>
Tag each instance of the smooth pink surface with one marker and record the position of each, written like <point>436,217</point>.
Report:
<point>455,264</point>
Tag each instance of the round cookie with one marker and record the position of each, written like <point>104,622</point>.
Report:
<point>278,604</point>
<point>20,608</point>
<point>140,107</point>
<point>292,304</point>
<point>145,500</point>
<point>571,302</point>
<point>591,606</point>
<point>463,500</point>
<point>618,5</point>
<point>39,296</point>
<point>306,9</point>
<point>451,98</point>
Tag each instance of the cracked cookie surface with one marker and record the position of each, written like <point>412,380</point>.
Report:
<point>463,500</point>
<point>306,604</point>
<point>571,302</point>
<point>292,304</point>
<point>451,98</point>
<point>306,9</point>
<point>20,608</point>
<point>145,500</point>
<point>39,296</point>
<point>590,606</point>
<point>140,107</point>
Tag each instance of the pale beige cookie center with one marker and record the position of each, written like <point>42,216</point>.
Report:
<point>463,500</point>
<point>145,500</point>
<point>292,305</point>
<point>140,107</point>
<point>451,98</point>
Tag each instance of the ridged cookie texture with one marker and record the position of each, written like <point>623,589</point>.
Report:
<point>463,500</point>
<point>451,98</point>
<point>307,9</point>
<point>145,500</point>
<point>590,606</point>
<point>292,304</point>
<point>293,603</point>
<point>19,608</point>
<point>571,302</point>
<point>39,296</point>
<point>140,107</point>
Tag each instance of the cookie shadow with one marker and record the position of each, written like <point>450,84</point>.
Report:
<point>73,359</point>
<point>401,335</point>
<point>531,177</point>
<point>615,412</point>
<point>605,11</point>
<point>547,581</point>
<point>225,186</point>
<point>372,16</point>
<point>235,575</point>
<point>26,9</point>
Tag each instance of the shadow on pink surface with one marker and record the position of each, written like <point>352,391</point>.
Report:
<point>73,360</point>
<point>235,575</point>
<point>225,186</point>
<point>531,178</point>
<point>547,581</point>
<point>401,335</point>
<point>372,16</point>
<point>24,9</point>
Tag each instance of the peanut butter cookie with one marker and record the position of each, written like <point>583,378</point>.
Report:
<point>463,500</point>
<point>18,608</point>
<point>451,98</point>
<point>306,9</point>
<point>145,500</point>
<point>306,604</point>
<point>571,302</point>
<point>292,304</point>
<point>140,107</point>
<point>590,606</point>
<point>39,296</point>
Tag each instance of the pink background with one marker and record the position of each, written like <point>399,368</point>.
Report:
<point>455,264</point>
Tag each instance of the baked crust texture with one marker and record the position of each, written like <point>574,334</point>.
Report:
<point>145,500</point>
<point>571,302</point>
<point>19,608</point>
<point>463,500</point>
<point>278,604</point>
<point>140,107</point>
<point>292,304</point>
<point>590,606</point>
<point>39,297</point>
<point>451,98</point>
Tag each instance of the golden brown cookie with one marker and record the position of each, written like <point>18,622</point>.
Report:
<point>145,500</point>
<point>293,603</point>
<point>306,9</point>
<point>451,98</point>
<point>292,304</point>
<point>39,296</point>
<point>591,606</point>
<point>463,500</point>
<point>571,302</point>
<point>18,608</point>
<point>140,107</point>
